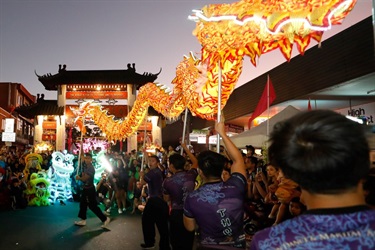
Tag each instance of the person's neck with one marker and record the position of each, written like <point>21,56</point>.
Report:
<point>212,179</point>
<point>350,198</point>
<point>153,167</point>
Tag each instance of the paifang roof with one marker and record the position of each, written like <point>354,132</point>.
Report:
<point>123,76</point>
<point>50,107</point>
<point>41,107</point>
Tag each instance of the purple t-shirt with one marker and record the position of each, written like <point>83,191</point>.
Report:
<point>90,171</point>
<point>218,210</point>
<point>154,179</point>
<point>343,228</point>
<point>178,186</point>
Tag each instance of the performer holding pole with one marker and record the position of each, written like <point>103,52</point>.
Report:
<point>88,195</point>
<point>81,147</point>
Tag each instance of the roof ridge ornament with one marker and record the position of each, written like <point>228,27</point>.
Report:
<point>62,68</point>
<point>131,67</point>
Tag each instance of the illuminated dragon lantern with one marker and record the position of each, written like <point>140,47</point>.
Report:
<point>227,33</point>
<point>255,27</point>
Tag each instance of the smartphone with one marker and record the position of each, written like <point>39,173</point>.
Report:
<point>259,170</point>
<point>251,178</point>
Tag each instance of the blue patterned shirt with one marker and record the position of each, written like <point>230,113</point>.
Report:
<point>343,228</point>
<point>178,186</point>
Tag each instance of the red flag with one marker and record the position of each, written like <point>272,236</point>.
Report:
<point>309,106</point>
<point>266,99</point>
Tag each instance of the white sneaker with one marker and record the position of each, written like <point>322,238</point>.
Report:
<point>119,211</point>
<point>80,223</point>
<point>108,210</point>
<point>106,222</point>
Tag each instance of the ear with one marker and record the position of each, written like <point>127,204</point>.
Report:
<point>201,174</point>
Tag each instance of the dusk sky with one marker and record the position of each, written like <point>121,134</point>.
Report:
<point>98,35</point>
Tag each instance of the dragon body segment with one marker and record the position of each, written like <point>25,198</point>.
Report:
<point>196,88</point>
<point>227,33</point>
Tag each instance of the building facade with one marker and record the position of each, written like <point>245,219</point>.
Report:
<point>14,95</point>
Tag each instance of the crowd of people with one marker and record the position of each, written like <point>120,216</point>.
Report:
<point>14,178</point>
<point>316,179</point>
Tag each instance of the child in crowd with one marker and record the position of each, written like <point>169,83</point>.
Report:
<point>137,196</point>
<point>143,199</point>
<point>16,193</point>
<point>286,190</point>
<point>296,207</point>
<point>225,175</point>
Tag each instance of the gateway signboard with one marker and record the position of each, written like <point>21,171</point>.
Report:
<point>97,95</point>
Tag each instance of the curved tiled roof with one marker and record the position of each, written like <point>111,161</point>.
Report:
<point>123,76</point>
<point>41,107</point>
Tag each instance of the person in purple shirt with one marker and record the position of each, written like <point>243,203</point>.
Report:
<point>156,210</point>
<point>328,156</point>
<point>88,196</point>
<point>216,207</point>
<point>175,190</point>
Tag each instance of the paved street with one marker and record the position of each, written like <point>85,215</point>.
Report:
<point>52,227</point>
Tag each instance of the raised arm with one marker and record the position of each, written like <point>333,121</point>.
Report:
<point>234,153</point>
<point>192,157</point>
<point>262,191</point>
